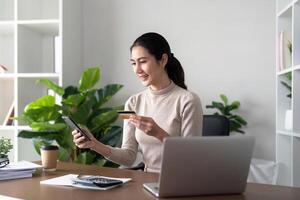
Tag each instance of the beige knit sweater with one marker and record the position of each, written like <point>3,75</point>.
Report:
<point>175,110</point>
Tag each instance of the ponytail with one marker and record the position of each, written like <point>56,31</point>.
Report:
<point>175,71</point>
<point>157,45</point>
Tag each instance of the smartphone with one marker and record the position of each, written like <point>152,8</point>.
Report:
<point>74,125</point>
<point>125,114</point>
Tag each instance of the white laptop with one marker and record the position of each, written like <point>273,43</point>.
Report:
<point>203,166</point>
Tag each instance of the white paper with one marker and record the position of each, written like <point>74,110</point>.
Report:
<point>19,166</point>
<point>67,180</point>
<point>2,197</point>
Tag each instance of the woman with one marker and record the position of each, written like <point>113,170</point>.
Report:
<point>166,108</point>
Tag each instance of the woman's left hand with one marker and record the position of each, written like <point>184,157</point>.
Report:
<point>148,126</point>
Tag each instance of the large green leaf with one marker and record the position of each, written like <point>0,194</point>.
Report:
<point>224,99</point>
<point>51,85</point>
<point>47,135</point>
<point>112,136</point>
<point>70,90</point>
<point>42,109</point>
<point>41,126</point>
<point>218,106</point>
<point>89,78</point>
<point>45,101</point>
<point>235,104</point>
<point>65,139</point>
<point>42,114</point>
<point>74,100</point>
<point>103,95</point>
<point>64,154</point>
<point>240,120</point>
<point>100,162</point>
<point>104,119</point>
<point>85,158</point>
<point>83,112</point>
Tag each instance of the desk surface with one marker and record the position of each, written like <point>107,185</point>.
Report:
<point>30,188</point>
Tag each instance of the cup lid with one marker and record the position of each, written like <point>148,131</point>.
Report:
<point>49,147</point>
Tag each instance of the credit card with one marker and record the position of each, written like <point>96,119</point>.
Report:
<point>125,114</point>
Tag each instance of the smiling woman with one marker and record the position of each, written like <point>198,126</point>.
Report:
<point>166,108</point>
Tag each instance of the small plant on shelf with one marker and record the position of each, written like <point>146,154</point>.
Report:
<point>225,108</point>
<point>287,83</point>
<point>5,147</point>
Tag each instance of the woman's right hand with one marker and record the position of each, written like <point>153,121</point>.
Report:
<point>81,141</point>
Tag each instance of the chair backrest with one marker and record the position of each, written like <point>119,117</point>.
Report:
<point>215,125</point>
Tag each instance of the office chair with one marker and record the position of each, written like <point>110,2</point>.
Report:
<point>213,125</point>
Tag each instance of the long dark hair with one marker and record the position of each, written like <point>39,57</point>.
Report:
<point>157,45</point>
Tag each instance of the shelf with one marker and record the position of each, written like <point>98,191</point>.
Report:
<point>285,71</point>
<point>7,76</point>
<point>288,142</point>
<point>284,132</point>
<point>6,28</point>
<point>49,27</point>
<point>287,10</point>
<point>38,75</point>
<point>296,135</point>
<point>296,68</point>
<point>288,133</point>
<point>24,128</point>
<point>7,128</point>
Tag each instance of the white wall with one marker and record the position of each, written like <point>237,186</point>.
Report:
<point>224,46</point>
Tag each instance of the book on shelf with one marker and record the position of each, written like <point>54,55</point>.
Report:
<point>8,120</point>
<point>284,50</point>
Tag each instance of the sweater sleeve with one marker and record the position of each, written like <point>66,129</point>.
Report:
<point>192,116</point>
<point>126,155</point>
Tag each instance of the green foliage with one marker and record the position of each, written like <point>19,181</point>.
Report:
<point>5,146</point>
<point>288,83</point>
<point>226,109</point>
<point>85,105</point>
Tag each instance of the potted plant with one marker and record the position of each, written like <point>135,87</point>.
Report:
<point>86,105</point>
<point>5,147</point>
<point>225,108</point>
<point>287,83</point>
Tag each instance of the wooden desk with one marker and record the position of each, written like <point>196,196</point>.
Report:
<point>31,189</point>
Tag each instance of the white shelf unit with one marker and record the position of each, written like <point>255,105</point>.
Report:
<point>288,141</point>
<point>29,51</point>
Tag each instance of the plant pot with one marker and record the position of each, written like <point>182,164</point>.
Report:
<point>288,122</point>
